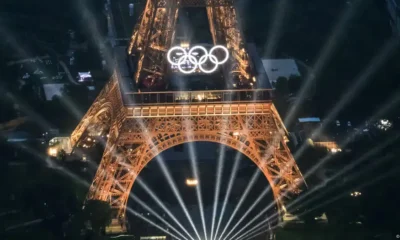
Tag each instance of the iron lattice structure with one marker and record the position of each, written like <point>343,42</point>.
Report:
<point>153,36</point>
<point>138,128</point>
<point>136,134</point>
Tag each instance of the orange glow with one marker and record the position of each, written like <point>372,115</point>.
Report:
<point>192,182</point>
<point>52,152</point>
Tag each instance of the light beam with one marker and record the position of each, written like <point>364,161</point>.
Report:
<point>244,196</point>
<point>228,191</point>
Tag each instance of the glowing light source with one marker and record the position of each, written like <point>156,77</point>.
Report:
<point>191,57</point>
<point>52,152</point>
<point>84,75</point>
<point>384,124</point>
<point>185,45</point>
<point>355,194</point>
<point>335,150</point>
<point>192,182</point>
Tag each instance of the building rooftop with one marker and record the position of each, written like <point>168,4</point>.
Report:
<point>276,68</point>
<point>51,90</point>
<point>310,119</point>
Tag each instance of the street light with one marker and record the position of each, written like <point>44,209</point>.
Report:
<point>192,182</point>
<point>355,194</point>
<point>335,150</point>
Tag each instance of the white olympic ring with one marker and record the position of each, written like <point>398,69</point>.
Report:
<point>198,63</point>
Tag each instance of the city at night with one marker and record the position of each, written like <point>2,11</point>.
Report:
<point>200,119</point>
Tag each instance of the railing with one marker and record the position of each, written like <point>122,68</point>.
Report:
<point>198,97</point>
<point>203,3</point>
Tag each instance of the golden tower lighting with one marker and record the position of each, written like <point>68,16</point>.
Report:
<point>140,130</point>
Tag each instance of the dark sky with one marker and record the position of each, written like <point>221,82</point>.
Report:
<point>307,25</point>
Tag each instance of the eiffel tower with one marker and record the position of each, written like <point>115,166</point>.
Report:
<point>139,124</point>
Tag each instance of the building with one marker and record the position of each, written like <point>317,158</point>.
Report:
<point>394,13</point>
<point>304,129</point>
<point>85,77</point>
<point>58,143</point>
<point>262,78</point>
<point>330,146</point>
<point>327,135</point>
<point>276,68</point>
<point>52,90</point>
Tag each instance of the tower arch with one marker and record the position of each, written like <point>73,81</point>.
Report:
<point>178,164</point>
<point>260,137</point>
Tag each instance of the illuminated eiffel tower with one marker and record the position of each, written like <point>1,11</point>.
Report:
<point>140,124</point>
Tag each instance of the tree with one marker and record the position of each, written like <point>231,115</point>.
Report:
<point>61,155</point>
<point>308,159</point>
<point>78,94</point>
<point>282,87</point>
<point>98,214</point>
<point>45,193</point>
<point>7,111</point>
<point>294,83</point>
<point>75,227</point>
<point>54,200</point>
<point>282,91</point>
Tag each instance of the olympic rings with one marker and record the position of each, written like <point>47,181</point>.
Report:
<point>198,63</point>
